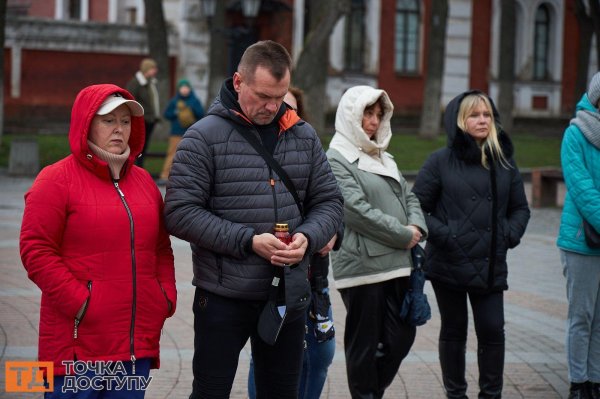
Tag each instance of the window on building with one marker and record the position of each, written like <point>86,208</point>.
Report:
<point>17,7</point>
<point>74,10</point>
<point>131,15</point>
<point>541,43</point>
<point>406,37</point>
<point>355,34</point>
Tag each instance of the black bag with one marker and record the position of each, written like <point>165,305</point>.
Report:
<point>415,308</point>
<point>592,238</point>
<point>289,297</point>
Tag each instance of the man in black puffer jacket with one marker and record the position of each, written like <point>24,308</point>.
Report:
<point>225,199</point>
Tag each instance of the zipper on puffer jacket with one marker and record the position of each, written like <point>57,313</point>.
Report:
<point>272,184</point>
<point>85,308</point>
<point>494,221</point>
<point>133,273</point>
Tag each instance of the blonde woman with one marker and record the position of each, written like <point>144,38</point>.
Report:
<point>475,206</point>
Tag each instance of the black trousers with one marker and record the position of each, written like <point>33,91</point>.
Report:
<point>149,128</point>
<point>376,340</point>
<point>222,326</point>
<point>488,315</point>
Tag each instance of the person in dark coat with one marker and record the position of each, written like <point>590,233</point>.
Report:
<point>320,332</point>
<point>225,199</point>
<point>143,86</point>
<point>476,209</point>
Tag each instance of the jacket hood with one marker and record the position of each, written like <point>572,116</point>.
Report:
<point>462,143</point>
<point>348,118</point>
<point>184,82</point>
<point>84,109</point>
<point>226,106</point>
<point>587,119</point>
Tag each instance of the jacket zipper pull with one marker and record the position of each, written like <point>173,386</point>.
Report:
<point>272,182</point>
<point>75,329</point>
<point>133,364</point>
<point>116,183</point>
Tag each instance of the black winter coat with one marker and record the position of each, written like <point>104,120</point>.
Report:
<point>474,214</point>
<point>219,196</point>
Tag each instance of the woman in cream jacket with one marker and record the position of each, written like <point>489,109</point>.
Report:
<point>383,221</point>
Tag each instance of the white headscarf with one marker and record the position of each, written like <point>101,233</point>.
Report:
<point>352,141</point>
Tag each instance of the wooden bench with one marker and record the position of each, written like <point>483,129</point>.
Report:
<point>544,186</point>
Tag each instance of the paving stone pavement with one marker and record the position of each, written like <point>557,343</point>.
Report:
<point>535,308</point>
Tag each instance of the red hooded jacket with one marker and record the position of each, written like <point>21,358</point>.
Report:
<point>80,239</point>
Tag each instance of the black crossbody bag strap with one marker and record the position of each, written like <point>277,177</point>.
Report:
<point>262,151</point>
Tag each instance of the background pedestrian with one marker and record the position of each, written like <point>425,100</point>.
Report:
<point>183,110</point>
<point>143,86</point>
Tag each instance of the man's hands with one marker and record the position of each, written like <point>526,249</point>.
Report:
<point>269,247</point>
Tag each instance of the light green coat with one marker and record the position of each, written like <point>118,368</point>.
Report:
<point>378,205</point>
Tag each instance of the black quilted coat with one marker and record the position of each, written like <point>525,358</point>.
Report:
<point>219,196</point>
<point>474,214</point>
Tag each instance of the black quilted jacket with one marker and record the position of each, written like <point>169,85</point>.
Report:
<point>219,195</point>
<point>474,214</point>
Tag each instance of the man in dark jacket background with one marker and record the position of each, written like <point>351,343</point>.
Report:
<point>225,199</point>
<point>143,86</point>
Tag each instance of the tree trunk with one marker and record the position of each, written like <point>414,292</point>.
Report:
<point>429,127</point>
<point>158,46</point>
<point>586,31</point>
<point>506,75</point>
<point>218,44</point>
<point>311,71</point>
<point>595,16</point>
<point>2,36</point>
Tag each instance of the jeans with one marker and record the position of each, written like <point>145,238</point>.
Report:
<point>316,361</point>
<point>222,327</point>
<point>583,318</point>
<point>142,369</point>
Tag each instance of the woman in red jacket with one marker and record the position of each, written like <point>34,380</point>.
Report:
<point>94,241</point>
